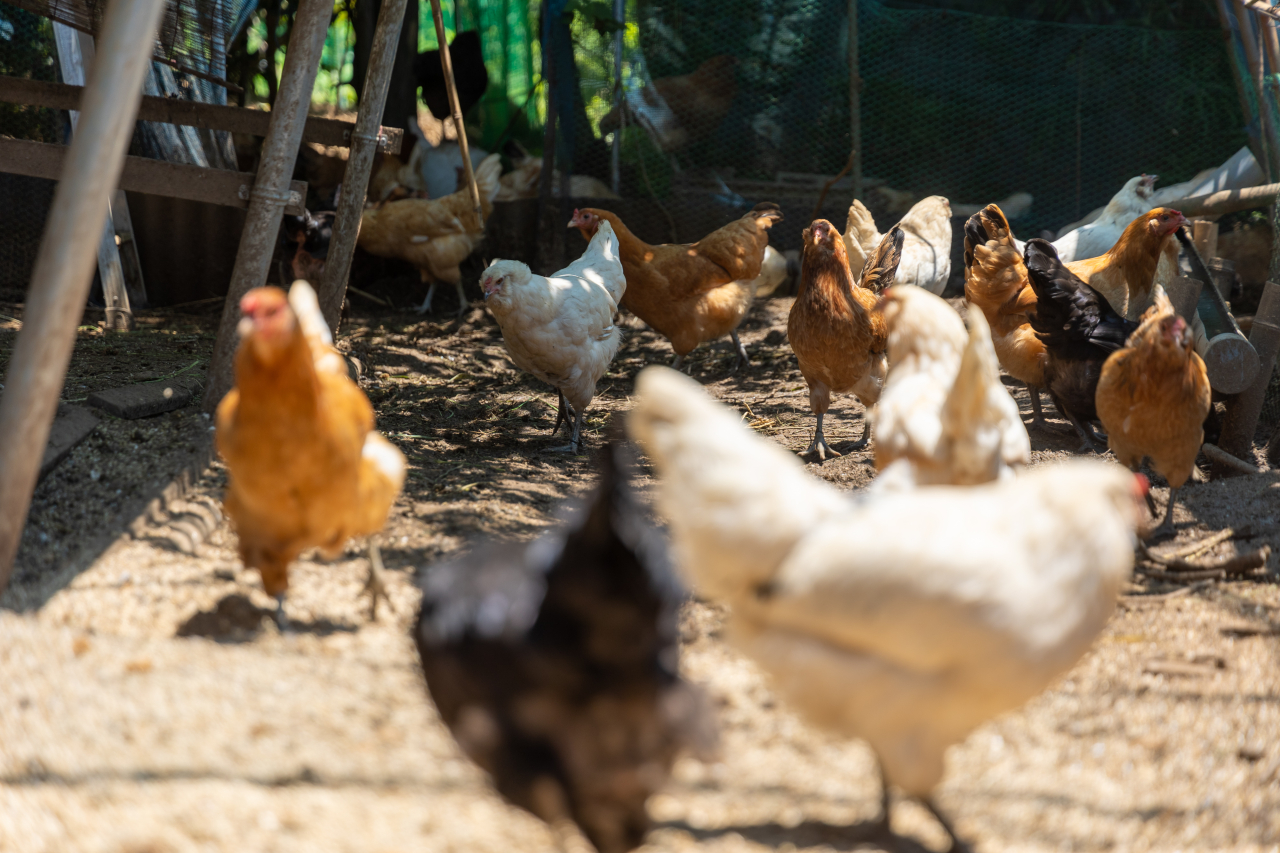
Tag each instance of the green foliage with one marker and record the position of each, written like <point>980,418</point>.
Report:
<point>26,50</point>
<point>597,14</point>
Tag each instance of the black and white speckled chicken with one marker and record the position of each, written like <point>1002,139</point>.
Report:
<point>554,664</point>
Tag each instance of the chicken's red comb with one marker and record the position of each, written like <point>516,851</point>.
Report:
<point>1142,484</point>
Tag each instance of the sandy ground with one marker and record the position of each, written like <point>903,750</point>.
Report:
<point>147,706</point>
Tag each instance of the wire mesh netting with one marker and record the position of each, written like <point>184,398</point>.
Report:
<point>969,106</point>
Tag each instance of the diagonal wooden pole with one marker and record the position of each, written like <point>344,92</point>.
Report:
<point>446,62</point>
<point>364,142</point>
<point>64,267</point>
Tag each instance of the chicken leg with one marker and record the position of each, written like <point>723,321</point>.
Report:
<point>1166,529</point>
<point>282,621</point>
<point>373,583</point>
<point>819,442</point>
<point>575,437</point>
<point>741,351</point>
<point>564,414</point>
<point>425,307</point>
<point>1037,413</point>
<point>957,846</point>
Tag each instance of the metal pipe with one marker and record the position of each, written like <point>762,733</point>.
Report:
<point>64,267</point>
<point>446,63</point>
<point>855,101</point>
<point>1244,409</point>
<point>270,192</point>
<point>364,142</point>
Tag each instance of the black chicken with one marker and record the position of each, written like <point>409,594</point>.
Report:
<point>1079,329</point>
<point>307,240</point>
<point>469,75</point>
<point>554,665</point>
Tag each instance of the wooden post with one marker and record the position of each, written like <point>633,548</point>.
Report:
<point>1184,293</point>
<point>270,192</point>
<point>72,59</point>
<point>855,101</point>
<point>364,143</point>
<point>548,225</point>
<point>446,63</point>
<point>1205,235</point>
<point>64,265</point>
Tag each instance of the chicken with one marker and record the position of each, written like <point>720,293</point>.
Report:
<point>1079,329</point>
<point>691,292</point>
<point>561,328</point>
<point>926,243</point>
<point>1153,397</point>
<point>470,76</point>
<point>305,467</point>
<point>837,337</point>
<point>944,418</point>
<point>1145,254</point>
<point>522,182</point>
<point>774,270</point>
<point>555,665</point>
<point>1095,238</point>
<point>868,628</point>
<point>682,110</point>
<point>435,235</point>
<point>310,235</point>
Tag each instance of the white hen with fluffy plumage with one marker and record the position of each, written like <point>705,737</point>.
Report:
<point>561,329</point>
<point>926,242</point>
<point>869,623</point>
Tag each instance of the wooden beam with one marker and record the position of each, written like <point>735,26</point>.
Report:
<point>321,131</point>
<point>143,175</point>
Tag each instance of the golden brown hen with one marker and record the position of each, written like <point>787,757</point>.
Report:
<point>1153,397</point>
<point>307,469</point>
<point>839,340</point>
<point>691,292</point>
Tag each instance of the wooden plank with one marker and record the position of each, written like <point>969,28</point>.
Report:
<point>155,177</point>
<point>321,131</point>
<point>75,51</point>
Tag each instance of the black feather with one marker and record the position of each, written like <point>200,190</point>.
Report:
<point>556,662</point>
<point>469,75</point>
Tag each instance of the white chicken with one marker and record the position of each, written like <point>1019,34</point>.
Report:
<point>774,270</point>
<point>1097,237</point>
<point>870,625</point>
<point>561,329</point>
<point>944,417</point>
<point>926,243</point>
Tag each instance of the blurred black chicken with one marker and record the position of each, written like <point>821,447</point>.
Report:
<point>1079,329</point>
<point>469,75</point>
<point>554,664</point>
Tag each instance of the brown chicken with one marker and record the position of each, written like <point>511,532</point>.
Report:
<point>306,468</point>
<point>838,337</point>
<point>435,235</point>
<point>995,280</point>
<point>691,292</point>
<point>1153,398</point>
<point>697,102</point>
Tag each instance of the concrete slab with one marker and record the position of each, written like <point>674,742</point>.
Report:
<point>141,401</point>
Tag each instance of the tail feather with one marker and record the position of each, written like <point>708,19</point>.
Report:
<point>861,226</point>
<point>882,265</point>
<point>766,210</point>
<point>737,503</point>
<point>993,266</point>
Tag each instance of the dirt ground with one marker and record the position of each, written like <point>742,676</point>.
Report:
<point>148,706</point>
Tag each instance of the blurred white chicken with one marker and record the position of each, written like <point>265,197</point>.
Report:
<point>1097,237</point>
<point>870,624</point>
<point>774,270</point>
<point>944,417</point>
<point>926,243</point>
<point>561,329</point>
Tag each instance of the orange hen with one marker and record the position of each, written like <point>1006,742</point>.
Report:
<point>1153,397</point>
<point>839,340</point>
<point>306,468</point>
<point>691,292</point>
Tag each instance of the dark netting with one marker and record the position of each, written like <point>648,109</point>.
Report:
<point>26,50</point>
<point>755,107</point>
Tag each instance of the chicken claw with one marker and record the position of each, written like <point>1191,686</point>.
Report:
<point>425,307</point>
<point>1166,530</point>
<point>373,583</point>
<point>819,443</point>
<point>564,414</point>
<point>575,437</point>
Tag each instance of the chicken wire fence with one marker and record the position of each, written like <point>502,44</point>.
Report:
<point>731,106</point>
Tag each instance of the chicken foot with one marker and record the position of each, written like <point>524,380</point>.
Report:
<point>957,846</point>
<point>425,307</point>
<point>575,437</point>
<point>1089,438</point>
<point>819,442</point>
<point>1166,529</point>
<point>282,621</point>
<point>373,583</point>
<point>885,827</point>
